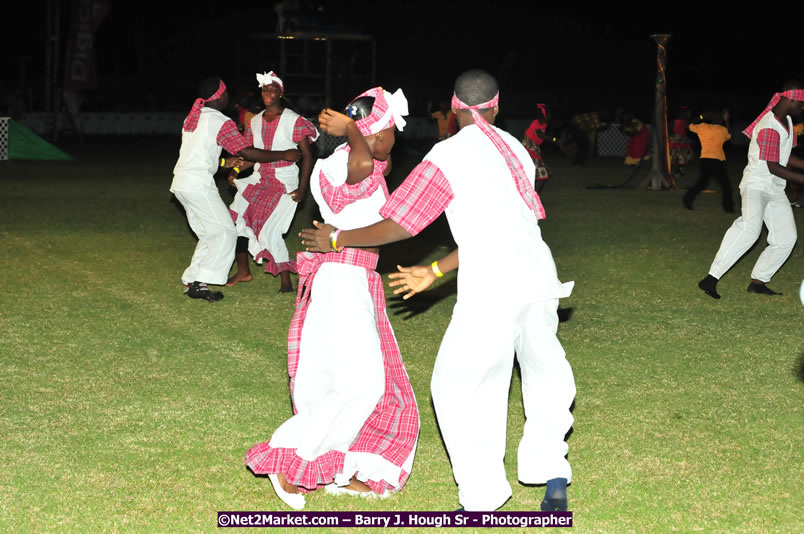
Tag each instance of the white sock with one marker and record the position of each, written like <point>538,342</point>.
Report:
<point>294,500</point>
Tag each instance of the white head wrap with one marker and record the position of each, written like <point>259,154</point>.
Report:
<point>267,78</point>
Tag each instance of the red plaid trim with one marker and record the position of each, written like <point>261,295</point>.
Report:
<point>271,266</point>
<point>422,197</point>
<point>523,185</point>
<point>231,139</point>
<point>392,428</point>
<point>338,197</point>
<point>769,144</point>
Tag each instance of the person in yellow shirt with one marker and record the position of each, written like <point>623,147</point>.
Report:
<point>712,131</point>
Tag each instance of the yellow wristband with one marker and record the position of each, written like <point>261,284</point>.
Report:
<point>223,162</point>
<point>436,270</point>
<point>236,169</point>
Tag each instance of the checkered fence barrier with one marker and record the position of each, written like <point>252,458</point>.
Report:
<point>611,141</point>
<point>4,138</point>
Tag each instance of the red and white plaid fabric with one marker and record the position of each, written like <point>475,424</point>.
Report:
<point>230,138</point>
<point>769,144</point>
<point>262,198</point>
<point>392,428</point>
<point>338,197</point>
<point>301,128</point>
<point>792,94</point>
<point>191,121</point>
<point>387,111</point>
<point>420,199</point>
<point>523,185</point>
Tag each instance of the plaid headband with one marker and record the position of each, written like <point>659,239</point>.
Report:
<point>792,94</point>
<point>388,111</point>
<point>191,122</point>
<point>267,78</point>
<point>523,185</point>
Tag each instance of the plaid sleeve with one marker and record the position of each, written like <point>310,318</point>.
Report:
<point>304,128</point>
<point>421,198</point>
<point>768,141</point>
<point>231,139</point>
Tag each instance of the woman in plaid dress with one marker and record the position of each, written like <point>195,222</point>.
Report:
<point>356,422</point>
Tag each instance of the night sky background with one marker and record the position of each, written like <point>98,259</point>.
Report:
<point>152,55</point>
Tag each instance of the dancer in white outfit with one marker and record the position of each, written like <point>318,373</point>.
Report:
<point>763,196</point>
<point>206,132</point>
<point>266,201</point>
<point>356,421</point>
<point>483,179</point>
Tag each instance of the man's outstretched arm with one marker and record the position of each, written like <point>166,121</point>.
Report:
<point>320,238</point>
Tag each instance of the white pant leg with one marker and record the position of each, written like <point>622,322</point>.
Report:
<point>743,233</point>
<point>470,384</point>
<point>548,389</point>
<point>781,238</point>
<point>210,220</point>
<point>340,377</point>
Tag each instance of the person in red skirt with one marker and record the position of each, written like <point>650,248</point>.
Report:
<point>535,135</point>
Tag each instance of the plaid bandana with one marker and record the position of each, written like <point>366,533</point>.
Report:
<point>523,185</point>
<point>388,111</point>
<point>191,122</point>
<point>267,78</point>
<point>792,94</point>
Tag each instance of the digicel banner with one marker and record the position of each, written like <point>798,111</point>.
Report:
<point>79,67</point>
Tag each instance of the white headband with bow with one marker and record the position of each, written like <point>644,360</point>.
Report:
<point>267,78</point>
<point>397,108</point>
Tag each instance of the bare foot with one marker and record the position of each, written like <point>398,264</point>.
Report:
<point>239,277</point>
<point>356,485</point>
<point>285,289</point>
<point>287,486</point>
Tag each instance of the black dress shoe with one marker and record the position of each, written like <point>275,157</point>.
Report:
<point>762,289</point>
<point>554,505</point>
<point>197,290</point>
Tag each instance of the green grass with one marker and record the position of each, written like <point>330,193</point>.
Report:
<point>126,406</point>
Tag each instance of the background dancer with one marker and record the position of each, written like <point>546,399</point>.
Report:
<point>266,201</point>
<point>206,132</point>
<point>763,196</point>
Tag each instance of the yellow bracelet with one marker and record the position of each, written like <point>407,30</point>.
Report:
<point>236,169</point>
<point>436,270</point>
<point>333,240</point>
<point>223,162</point>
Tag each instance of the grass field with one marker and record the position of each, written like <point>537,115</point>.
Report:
<point>126,406</point>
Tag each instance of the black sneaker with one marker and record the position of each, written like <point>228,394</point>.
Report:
<point>199,290</point>
<point>708,286</point>
<point>761,288</point>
